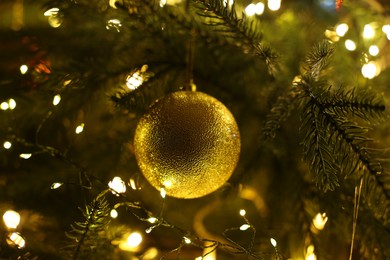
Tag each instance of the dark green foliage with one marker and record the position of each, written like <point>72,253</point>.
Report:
<point>88,235</point>
<point>224,20</point>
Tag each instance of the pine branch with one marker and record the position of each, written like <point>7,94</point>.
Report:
<point>318,148</point>
<point>225,21</point>
<point>318,58</point>
<point>87,234</point>
<point>362,103</point>
<point>334,145</point>
<point>280,111</point>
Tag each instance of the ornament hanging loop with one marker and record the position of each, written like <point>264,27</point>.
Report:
<point>190,51</point>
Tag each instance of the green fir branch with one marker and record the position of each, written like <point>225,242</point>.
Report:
<point>225,21</point>
<point>318,58</point>
<point>318,148</point>
<point>362,103</point>
<point>87,234</point>
<point>280,111</point>
<point>334,144</point>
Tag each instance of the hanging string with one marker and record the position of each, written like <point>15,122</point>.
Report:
<point>190,52</point>
<point>356,206</point>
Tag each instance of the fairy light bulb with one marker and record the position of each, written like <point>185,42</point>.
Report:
<point>369,70</point>
<point>56,185</point>
<point>242,212</point>
<point>16,239</point>
<point>56,100</point>
<point>4,105</point>
<point>368,32</point>
<point>274,5</point>
<point>134,80</point>
<point>350,45</point>
<point>373,50</point>
<point>11,219</point>
<point>342,29</point>
<point>259,8</point>
<point>244,227</point>
<point>250,10</point>
<point>79,128</point>
<point>117,185</point>
<point>113,213</point>
<point>152,220</point>
<point>163,193</point>
<point>134,240</point>
<point>273,242</point>
<point>23,69</point>
<point>320,220</point>
<point>11,103</point>
<point>25,155</point>
<point>7,145</point>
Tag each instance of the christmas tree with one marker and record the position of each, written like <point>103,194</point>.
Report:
<point>306,83</point>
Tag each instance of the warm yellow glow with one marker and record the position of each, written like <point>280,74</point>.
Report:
<point>152,220</point>
<point>114,213</point>
<point>368,32</point>
<point>132,184</point>
<point>51,12</point>
<point>79,128</point>
<point>54,17</point>
<point>7,145</point>
<point>244,227</point>
<point>250,10</point>
<point>4,106</point>
<point>342,29</point>
<point>11,103</point>
<point>350,45</point>
<point>56,99</point>
<point>112,3</point>
<point>274,5</point>
<point>167,183</point>
<point>208,252</point>
<point>169,2</point>
<point>332,35</point>
<point>242,212</point>
<point>273,242</point>
<point>23,69</point>
<point>25,155</point>
<point>310,253</point>
<point>369,70</point>
<point>11,219</point>
<point>163,2</point>
<point>163,193</point>
<point>150,254</point>
<point>114,24</point>
<point>230,2</point>
<point>56,185</point>
<point>117,185</point>
<point>187,240</point>
<point>55,21</point>
<point>16,239</point>
<point>67,82</point>
<point>373,50</point>
<point>320,220</point>
<point>134,80</point>
<point>259,8</point>
<point>134,240</point>
<point>386,28</point>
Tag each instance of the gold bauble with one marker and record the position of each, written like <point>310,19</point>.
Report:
<point>187,143</point>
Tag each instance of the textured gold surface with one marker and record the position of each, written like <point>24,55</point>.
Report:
<point>188,143</point>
